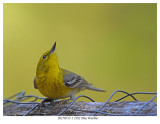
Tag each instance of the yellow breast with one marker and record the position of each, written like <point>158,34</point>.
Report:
<point>53,88</point>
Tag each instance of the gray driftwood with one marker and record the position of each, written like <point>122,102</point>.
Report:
<point>52,109</point>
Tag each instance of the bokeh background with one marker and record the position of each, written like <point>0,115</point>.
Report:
<point>113,46</point>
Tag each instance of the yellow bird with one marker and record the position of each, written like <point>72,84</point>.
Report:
<point>57,83</point>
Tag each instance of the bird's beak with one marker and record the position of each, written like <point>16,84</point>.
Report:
<point>53,48</point>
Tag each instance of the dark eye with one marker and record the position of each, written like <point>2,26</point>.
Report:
<point>44,56</point>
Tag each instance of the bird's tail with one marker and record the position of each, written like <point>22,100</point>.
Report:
<point>96,89</point>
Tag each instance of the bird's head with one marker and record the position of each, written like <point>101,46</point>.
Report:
<point>48,60</point>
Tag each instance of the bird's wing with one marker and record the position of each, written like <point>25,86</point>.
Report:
<point>35,86</point>
<point>73,80</point>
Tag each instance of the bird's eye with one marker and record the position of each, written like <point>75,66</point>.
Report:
<point>44,56</point>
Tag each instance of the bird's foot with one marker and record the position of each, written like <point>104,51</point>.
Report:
<point>42,103</point>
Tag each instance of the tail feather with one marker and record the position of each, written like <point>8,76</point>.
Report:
<point>96,89</point>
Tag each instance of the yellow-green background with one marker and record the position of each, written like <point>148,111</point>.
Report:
<point>113,46</point>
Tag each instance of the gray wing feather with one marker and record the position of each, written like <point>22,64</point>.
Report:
<point>73,80</point>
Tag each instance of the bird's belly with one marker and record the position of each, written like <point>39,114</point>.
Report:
<point>54,89</point>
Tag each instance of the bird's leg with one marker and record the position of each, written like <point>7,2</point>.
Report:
<point>46,100</point>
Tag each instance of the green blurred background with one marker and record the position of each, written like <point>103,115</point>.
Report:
<point>113,46</point>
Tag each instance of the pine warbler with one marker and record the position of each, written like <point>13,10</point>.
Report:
<point>57,83</point>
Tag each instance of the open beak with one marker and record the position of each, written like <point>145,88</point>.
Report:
<point>53,48</point>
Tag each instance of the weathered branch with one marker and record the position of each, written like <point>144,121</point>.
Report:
<point>82,109</point>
